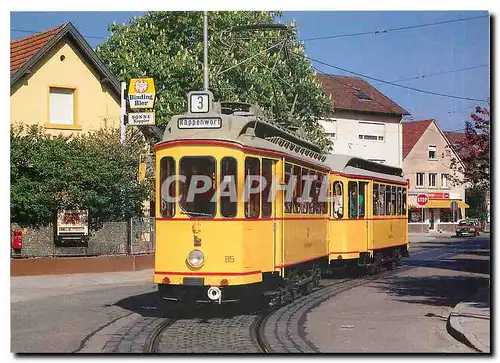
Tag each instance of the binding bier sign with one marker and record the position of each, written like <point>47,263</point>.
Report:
<point>141,93</point>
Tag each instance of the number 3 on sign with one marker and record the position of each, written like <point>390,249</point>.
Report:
<point>199,103</point>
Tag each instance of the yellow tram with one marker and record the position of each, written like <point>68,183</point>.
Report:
<point>218,242</point>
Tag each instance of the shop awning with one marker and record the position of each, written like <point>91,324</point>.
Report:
<point>435,203</point>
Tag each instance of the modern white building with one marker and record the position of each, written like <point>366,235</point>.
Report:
<point>364,122</point>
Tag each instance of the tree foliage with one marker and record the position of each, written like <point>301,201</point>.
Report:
<point>474,149</point>
<point>92,171</point>
<point>478,207</point>
<point>267,68</point>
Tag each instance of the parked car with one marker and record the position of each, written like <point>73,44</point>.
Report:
<point>468,227</point>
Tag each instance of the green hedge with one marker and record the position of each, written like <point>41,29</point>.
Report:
<point>91,171</point>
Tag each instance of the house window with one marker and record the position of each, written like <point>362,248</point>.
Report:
<point>432,152</point>
<point>444,181</point>
<point>330,127</point>
<point>432,180</point>
<point>380,161</point>
<point>371,131</point>
<point>420,179</point>
<point>62,106</point>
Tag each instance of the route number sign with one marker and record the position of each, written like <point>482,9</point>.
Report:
<point>199,102</point>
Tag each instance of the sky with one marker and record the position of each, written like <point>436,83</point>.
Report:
<point>392,56</point>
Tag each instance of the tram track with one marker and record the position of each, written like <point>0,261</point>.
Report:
<point>233,329</point>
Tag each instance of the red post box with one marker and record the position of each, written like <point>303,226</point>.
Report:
<point>17,240</point>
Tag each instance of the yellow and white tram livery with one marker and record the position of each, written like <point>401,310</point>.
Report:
<point>216,241</point>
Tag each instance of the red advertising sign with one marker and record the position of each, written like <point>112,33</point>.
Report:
<point>438,195</point>
<point>422,199</point>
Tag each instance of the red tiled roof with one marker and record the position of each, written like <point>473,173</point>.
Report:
<point>454,138</point>
<point>344,95</point>
<point>23,49</point>
<point>412,131</point>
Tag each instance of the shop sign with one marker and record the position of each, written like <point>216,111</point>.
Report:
<point>141,118</point>
<point>438,195</point>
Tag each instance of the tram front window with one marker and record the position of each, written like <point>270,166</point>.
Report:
<point>199,188</point>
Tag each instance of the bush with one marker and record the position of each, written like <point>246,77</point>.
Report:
<point>91,171</point>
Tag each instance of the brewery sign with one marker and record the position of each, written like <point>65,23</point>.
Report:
<point>141,93</point>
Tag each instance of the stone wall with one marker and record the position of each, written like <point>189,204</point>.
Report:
<point>111,239</point>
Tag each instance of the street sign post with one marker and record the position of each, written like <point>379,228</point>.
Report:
<point>422,200</point>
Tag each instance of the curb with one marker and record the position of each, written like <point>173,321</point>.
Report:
<point>457,331</point>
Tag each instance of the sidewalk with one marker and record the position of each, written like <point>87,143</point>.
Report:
<point>469,322</point>
<point>32,287</point>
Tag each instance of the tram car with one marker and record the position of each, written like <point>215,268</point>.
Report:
<point>214,246</point>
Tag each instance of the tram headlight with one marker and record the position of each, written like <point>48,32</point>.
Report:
<point>195,258</point>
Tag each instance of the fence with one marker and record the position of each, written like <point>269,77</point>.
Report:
<point>114,238</point>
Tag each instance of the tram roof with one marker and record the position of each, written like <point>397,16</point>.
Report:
<point>253,130</point>
<point>348,164</point>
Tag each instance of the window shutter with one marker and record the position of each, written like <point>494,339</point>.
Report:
<point>61,106</point>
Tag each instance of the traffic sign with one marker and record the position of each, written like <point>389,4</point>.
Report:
<point>422,199</point>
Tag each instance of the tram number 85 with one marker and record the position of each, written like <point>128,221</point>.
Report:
<point>229,259</point>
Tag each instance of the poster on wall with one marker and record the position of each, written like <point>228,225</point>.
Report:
<point>72,228</point>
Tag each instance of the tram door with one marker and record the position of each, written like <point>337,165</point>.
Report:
<point>362,211</point>
<point>269,209</point>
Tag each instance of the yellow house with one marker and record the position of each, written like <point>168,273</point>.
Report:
<point>57,81</point>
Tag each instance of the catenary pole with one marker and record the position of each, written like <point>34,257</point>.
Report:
<point>205,50</point>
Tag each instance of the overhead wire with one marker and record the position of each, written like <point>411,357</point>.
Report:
<point>394,84</point>
<point>377,32</point>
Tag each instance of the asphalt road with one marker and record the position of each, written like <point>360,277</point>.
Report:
<point>60,323</point>
<point>407,312</point>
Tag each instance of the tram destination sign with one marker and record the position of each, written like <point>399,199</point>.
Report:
<point>199,123</point>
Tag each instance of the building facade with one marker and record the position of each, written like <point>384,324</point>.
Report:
<point>58,82</point>
<point>364,122</point>
<point>435,203</point>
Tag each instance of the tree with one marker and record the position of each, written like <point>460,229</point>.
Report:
<point>92,171</point>
<point>258,66</point>
<point>478,207</point>
<point>474,149</point>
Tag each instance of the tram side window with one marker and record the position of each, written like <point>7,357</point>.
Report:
<point>376,205</point>
<point>196,200</point>
<point>167,169</point>
<point>338,199</point>
<point>393,201</point>
<point>404,201</point>
<point>303,201</point>
<point>288,198</point>
<point>313,198</point>
<point>353,199</point>
<point>267,175</point>
<point>382,200</point>
<point>297,173</point>
<point>387,200</point>
<point>322,206</point>
<point>252,204</point>
<point>361,199</point>
<point>398,200</point>
<point>228,202</point>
